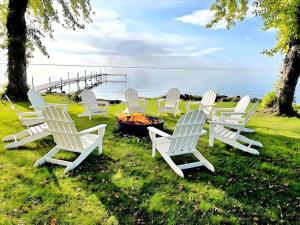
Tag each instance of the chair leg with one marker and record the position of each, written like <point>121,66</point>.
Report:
<point>82,114</point>
<point>211,135</point>
<point>17,136</point>
<point>248,130</point>
<point>80,158</point>
<point>26,140</point>
<point>250,141</point>
<point>42,160</point>
<point>153,148</point>
<point>243,147</point>
<point>176,169</point>
<point>208,165</point>
<point>100,147</point>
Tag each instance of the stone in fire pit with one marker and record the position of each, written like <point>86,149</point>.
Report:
<point>137,124</point>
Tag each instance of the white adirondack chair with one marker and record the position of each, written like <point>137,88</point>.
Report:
<point>183,141</point>
<point>225,118</point>
<point>133,103</point>
<point>38,103</point>
<point>91,104</point>
<point>206,104</point>
<point>229,132</point>
<point>171,102</point>
<point>66,137</point>
<point>27,118</point>
<point>234,113</point>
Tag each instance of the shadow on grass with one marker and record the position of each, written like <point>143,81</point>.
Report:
<point>264,186</point>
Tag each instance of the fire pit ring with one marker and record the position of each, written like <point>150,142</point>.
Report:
<point>127,126</point>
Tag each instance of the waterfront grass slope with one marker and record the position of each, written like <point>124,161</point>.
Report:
<point>125,185</point>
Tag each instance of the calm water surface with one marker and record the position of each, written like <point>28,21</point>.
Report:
<point>153,83</point>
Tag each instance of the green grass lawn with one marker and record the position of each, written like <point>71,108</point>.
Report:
<point>125,185</point>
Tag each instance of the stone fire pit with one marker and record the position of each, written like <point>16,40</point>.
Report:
<point>137,123</point>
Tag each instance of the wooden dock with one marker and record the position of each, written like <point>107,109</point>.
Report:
<point>89,81</point>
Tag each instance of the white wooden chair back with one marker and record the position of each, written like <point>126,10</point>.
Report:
<point>90,98</point>
<point>172,97</point>
<point>242,106</point>
<point>63,129</point>
<point>251,112</point>
<point>187,133</point>
<point>208,98</point>
<point>132,97</point>
<point>36,100</point>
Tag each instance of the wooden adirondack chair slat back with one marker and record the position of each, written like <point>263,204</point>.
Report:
<point>172,97</point>
<point>242,105</point>
<point>35,99</point>
<point>187,133</point>
<point>251,112</point>
<point>132,97</point>
<point>208,98</point>
<point>89,96</point>
<point>62,128</point>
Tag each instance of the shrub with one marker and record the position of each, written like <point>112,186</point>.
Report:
<point>269,100</point>
<point>3,88</point>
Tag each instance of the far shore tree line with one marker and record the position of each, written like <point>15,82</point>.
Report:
<point>24,23</point>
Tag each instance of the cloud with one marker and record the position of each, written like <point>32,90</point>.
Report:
<point>247,39</point>
<point>202,52</point>
<point>111,37</point>
<point>203,17</point>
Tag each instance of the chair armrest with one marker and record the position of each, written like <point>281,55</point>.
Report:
<point>188,105</point>
<point>223,109</point>
<point>208,105</point>
<point>92,129</point>
<point>106,103</point>
<point>32,118</point>
<point>37,108</point>
<point>30,113</point>
<point>203,132</point>
<point>233,113</point>
<point>158,132</point>
<point>226,123</point>
<point>194,103</point>
<point>159,101</point>
<point>226,118</point>
<point>215,110</point>
<point>144,101</point>
<point>55,104</point>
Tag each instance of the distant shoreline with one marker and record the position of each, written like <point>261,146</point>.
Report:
<point>186,97</point>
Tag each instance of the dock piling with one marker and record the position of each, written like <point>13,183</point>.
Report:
<point>61,85</point>
<point>69,83</point>
<point>78,87</point>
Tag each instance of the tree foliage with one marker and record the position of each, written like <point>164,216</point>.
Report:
<point>281,15</point>
<point>41,15</point>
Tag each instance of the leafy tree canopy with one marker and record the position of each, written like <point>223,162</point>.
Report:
<point>282,15</point>
<point>41,16</point>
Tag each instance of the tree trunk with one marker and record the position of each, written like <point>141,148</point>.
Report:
<point>288,81</point>
<point>16,32</point>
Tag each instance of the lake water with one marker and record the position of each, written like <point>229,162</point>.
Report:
<point>153,83</point>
